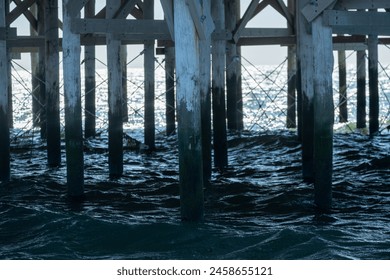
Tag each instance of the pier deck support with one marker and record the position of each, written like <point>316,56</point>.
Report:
<point>323,113</point>
<point>361,89</point>
<point>115,123</point>
<point>189,113</point>
<point>52,84</point>
<point>305,62</point>
<point>373,84</point>
<point>72,91</point>
<point>90,80</point>
<point>233,69</point>
<point>4,129</point>
<point>291,87</point>
<point>150,127</point>
<point>343,108</point>
<point>170,90</point>
<point>218,89</point>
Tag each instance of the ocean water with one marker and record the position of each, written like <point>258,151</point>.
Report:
<point>259,208</point>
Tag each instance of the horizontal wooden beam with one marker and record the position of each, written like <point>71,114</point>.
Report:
<point>363,4</point>
<point>260,41</point>
<point>157,28</point>
<point>358,23</point>
<point>266,32</point>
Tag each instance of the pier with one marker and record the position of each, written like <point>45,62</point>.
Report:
<point>201,42</point>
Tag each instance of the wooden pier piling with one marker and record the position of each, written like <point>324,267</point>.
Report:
<point>4,129</point>
<point>189,113</point>
<point>343,107</point>
<point>218,89</point>
<point>90,80</point>
<point>115,123</point>
<point>291,87</point>
<point>170,91</point>
<point>149,72</point>
<point>361,89</point>
<point>125,111</point>
<point>71,49</point>
<point>34,73</point>
<point>373,84</point>
<point>323,113</point>
<point>52,83</point>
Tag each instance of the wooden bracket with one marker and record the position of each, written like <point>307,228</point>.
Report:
<point>203,21</point>
<point>167,6</point>
<point>315,7</point>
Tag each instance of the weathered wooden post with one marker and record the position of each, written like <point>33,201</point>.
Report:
<point>90,80</point>
<point>187,51</point>
<point>72,91</point>
<point>373,84</point>
<point>233,69</point>
<point>52,83</point>
<point>205,93</point>
<point>291,77</point>
<point>218,89</point>
<point>149,125</point>
<point>34,56</point>
<point>125,111</point>
<point>170,90</point>
<point>361,89</point>
<point>323,112</point>
<point>4,129</point>
<point>343,108</point>
<point>42,70</point>
<point>305,62</point>
<point>115,128</point>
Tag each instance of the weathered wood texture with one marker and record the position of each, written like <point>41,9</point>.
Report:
<point>291,87</point>
<point>218,89</point>
<point>170,90</point>
<point>125,111</point>
<point>373,84</point>
<point>361,89</point>
<point>115,128</point>
<point>323,113</point>
<point>189,114</point>
<point>72,93</point>
<point>4,129</point>
<point>149,72</point>
<point>52,83</point>
<point>90,80</point>
<point>233,69</point>
<point>343,105</point>
<point>305,61</point>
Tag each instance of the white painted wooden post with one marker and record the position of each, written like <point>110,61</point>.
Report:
<point>4,129</point>
<point>323,112</point>
<point>72,91</point>
<point>305,62</point>
<point>218,89</point>
<point>115,128</point>
<point>189,113</point>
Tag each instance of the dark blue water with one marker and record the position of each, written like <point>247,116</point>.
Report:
<point>258,209</point>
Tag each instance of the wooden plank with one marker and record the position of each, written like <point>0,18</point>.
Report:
<point>245,19</point>
<point>202,19</point>
<point>362,4</point>
<point>315,8</point>
<point>261,6</point>
<point>266,32</point>
<point>167,6</point>
<point>258,41</point>
<point>5,169</point>
<point>115,127</point>
<point>358,23</point>
<point>170,91</point>
<point>373,85</point>
<point>29,15</point>
<point>343,101</point>
<point>285,12</point>
<point>188,109</point>
<point>74,7</point>
<point>361,89</point>
<point>72,96</point>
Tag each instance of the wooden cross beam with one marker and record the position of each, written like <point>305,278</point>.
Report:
<point>202,19</point>
<point>167,6</point>
<point>22,8</point>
